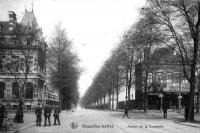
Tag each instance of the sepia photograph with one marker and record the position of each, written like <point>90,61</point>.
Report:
<point>99,66</point>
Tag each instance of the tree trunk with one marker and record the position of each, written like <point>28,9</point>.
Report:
<point>112,98</point>
<point>109,100</point>
<point>193,79</point>
<point>145,92</point>
<point>21,93</point>
<point>126,86</point>
<point>60,99</point>
<point>117,93</point>
<point>198,94</point>
<point>113,93</point>
<point>191,101</point>
<point>129,92</point>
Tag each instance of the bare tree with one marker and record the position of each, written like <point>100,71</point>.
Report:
<point>63,67</point>
<point>147,39</point>
<point>180,22</point>
<point>126,60</point>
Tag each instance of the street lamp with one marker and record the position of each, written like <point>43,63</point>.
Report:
<point>179,94</point>
<point>161,101</point>
<point>179,102</point>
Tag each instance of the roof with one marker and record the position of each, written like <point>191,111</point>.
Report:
<point>163,60</point>
<point>166,60</point>
<point>4,28</point>
<point>29,19</point>
<point>165,56</point>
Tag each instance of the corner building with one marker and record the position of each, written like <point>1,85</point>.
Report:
<point>9,87</point>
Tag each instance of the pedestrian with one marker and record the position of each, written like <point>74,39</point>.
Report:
<point>19,113</point>
<point>165,107</point>
<point>38,113</point>
<point>126,111</point>
<point>3,114</point>
<point>47,115</point>
<point>56,115</point>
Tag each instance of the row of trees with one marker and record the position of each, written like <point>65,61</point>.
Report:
<point>136,46</point>
<point>163,23</point>
<point>62,68</point>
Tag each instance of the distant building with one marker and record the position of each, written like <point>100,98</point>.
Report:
<point>165,80</point>
<point>50,95</point>
<point>9,88</point>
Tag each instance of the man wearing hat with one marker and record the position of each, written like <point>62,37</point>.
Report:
<point>38,113</point>
<point>47,115</point>
<point>56,115</point>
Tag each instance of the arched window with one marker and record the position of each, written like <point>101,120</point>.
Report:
<point>15,90</point>
<point>2,88</point>
<point>29,91</point>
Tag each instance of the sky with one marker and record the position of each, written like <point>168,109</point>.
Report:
<point>94,26</point>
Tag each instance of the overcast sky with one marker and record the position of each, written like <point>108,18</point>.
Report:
<point>95,26</point>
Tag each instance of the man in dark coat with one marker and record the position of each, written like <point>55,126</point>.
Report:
<point>165,107</point>
<point>3,114</point>
<point>56,115</point>
<point>126,111</point>
<point>38,113</point>
<point>19,113</point>
<point>47,115</point>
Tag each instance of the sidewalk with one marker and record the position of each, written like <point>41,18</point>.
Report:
<point>179,118</point>
<point>173,116</point>
<point>29,120</point>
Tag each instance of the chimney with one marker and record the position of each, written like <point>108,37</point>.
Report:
<point>12,20</point>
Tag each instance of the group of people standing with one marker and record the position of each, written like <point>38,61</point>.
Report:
<point>47,115</point>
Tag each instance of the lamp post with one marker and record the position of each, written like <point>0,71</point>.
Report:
<point>161,101</point>
<point>179,102</point>
<point>179,94</point>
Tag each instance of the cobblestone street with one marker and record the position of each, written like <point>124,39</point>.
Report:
<point>94,121</point>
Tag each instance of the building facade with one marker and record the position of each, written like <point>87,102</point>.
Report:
<point>165,82</point>
<point>22,64</point>
<point>50,96</point>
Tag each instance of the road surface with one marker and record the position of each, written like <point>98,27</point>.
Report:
<point>94,121</point>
